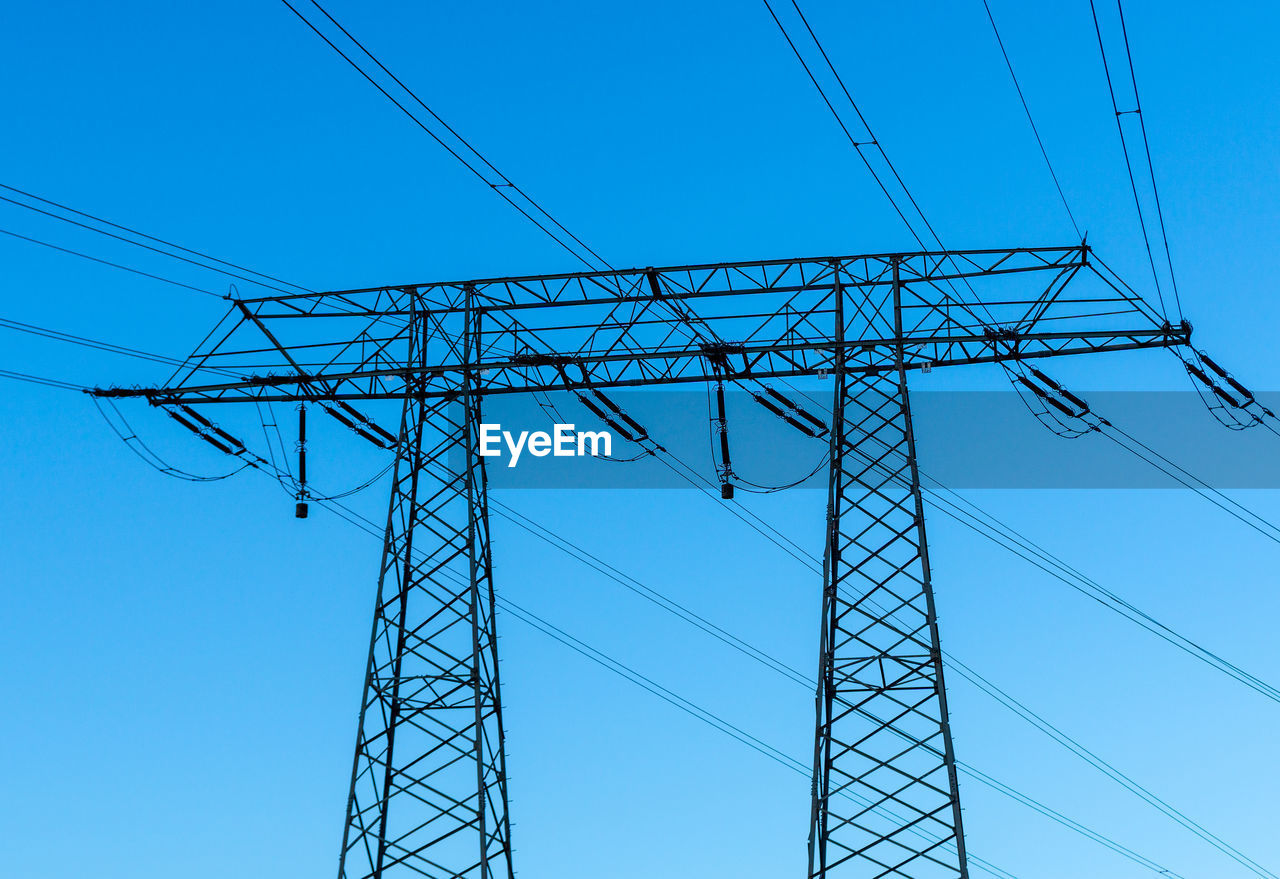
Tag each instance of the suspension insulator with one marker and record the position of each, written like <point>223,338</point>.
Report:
<point>1226,376</point>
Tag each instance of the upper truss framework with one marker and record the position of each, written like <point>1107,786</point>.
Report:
<point>650,326</point>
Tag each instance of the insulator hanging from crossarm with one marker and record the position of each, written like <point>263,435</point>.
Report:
<point>1053,395</point>
<point>1245,401</point>
<point>790,406</point>
<point>609,411</point>
<point>607,419</point>
<point>1084,407</point>
<point>725,470</point>
<point>636,427</point>
<point>209,432</point>
<point>1226,376</point>
<point>300,510</point>
<point>361,424</point>
<point>210,426</point>
<point>785,416</point>
<point>1216,389</point>
<point>1048,400</point>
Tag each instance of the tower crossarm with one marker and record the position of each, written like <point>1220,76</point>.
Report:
<point>643,327</point>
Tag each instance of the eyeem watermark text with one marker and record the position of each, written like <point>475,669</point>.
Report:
<point>562,442</point>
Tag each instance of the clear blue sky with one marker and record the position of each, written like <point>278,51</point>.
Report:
<point>181,664</point>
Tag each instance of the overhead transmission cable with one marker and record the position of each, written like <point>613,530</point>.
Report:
<point>872,141</point>
<point>1136,110</point>
<point>1072,409</point>
<point>1034,129</point>
<point>1107,769</point>
<point>798,553</point>
<point>946,501</point>
<point>617,667</point>
<point>114,265</point>
<point>144,246</point>
<point>972,516</point>
<point>653,595</point>
<point>153,238</point>
<point>502,185</point>
<point>41,380</point>
<point>95,344</point>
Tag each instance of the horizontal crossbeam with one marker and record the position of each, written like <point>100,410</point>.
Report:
<point>636,328</point>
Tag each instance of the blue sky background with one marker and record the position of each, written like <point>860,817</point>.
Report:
<point>182,663</point>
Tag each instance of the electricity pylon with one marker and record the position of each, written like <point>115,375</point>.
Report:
<point>429,780</point>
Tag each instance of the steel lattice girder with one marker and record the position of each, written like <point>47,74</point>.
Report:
<point>429,784</point>
<point>886,800</point>
<point>640,327</point>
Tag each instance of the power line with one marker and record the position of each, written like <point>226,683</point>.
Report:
<point>873,141</point>
<point>145,453</point>
<point>41,380</point>
<point>108,347</point>
<point>132,231</point>
<point>973,518</point>
<point>704,715</point>
<point>1061,738</point>
<point>1107,769</point>
<point>1185,478</point>
<point>501,187</point>
<point>1155,189</point>
<point>126,240</point>
<point>662,601</point>
<point>793,674</point>
<point>855,143</point>
<point>955,506</point>
<point>86,342</point>
<point>1027,109</point>
<point>671,606</point>
<point>1124,146</point>
<point>1008,538</point>
<point>113,264</point>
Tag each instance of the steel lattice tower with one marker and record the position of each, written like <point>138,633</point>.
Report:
<point>429,781</point>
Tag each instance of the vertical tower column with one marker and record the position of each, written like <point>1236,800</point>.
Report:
<point>885,796</point>
<point>429,784</point>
